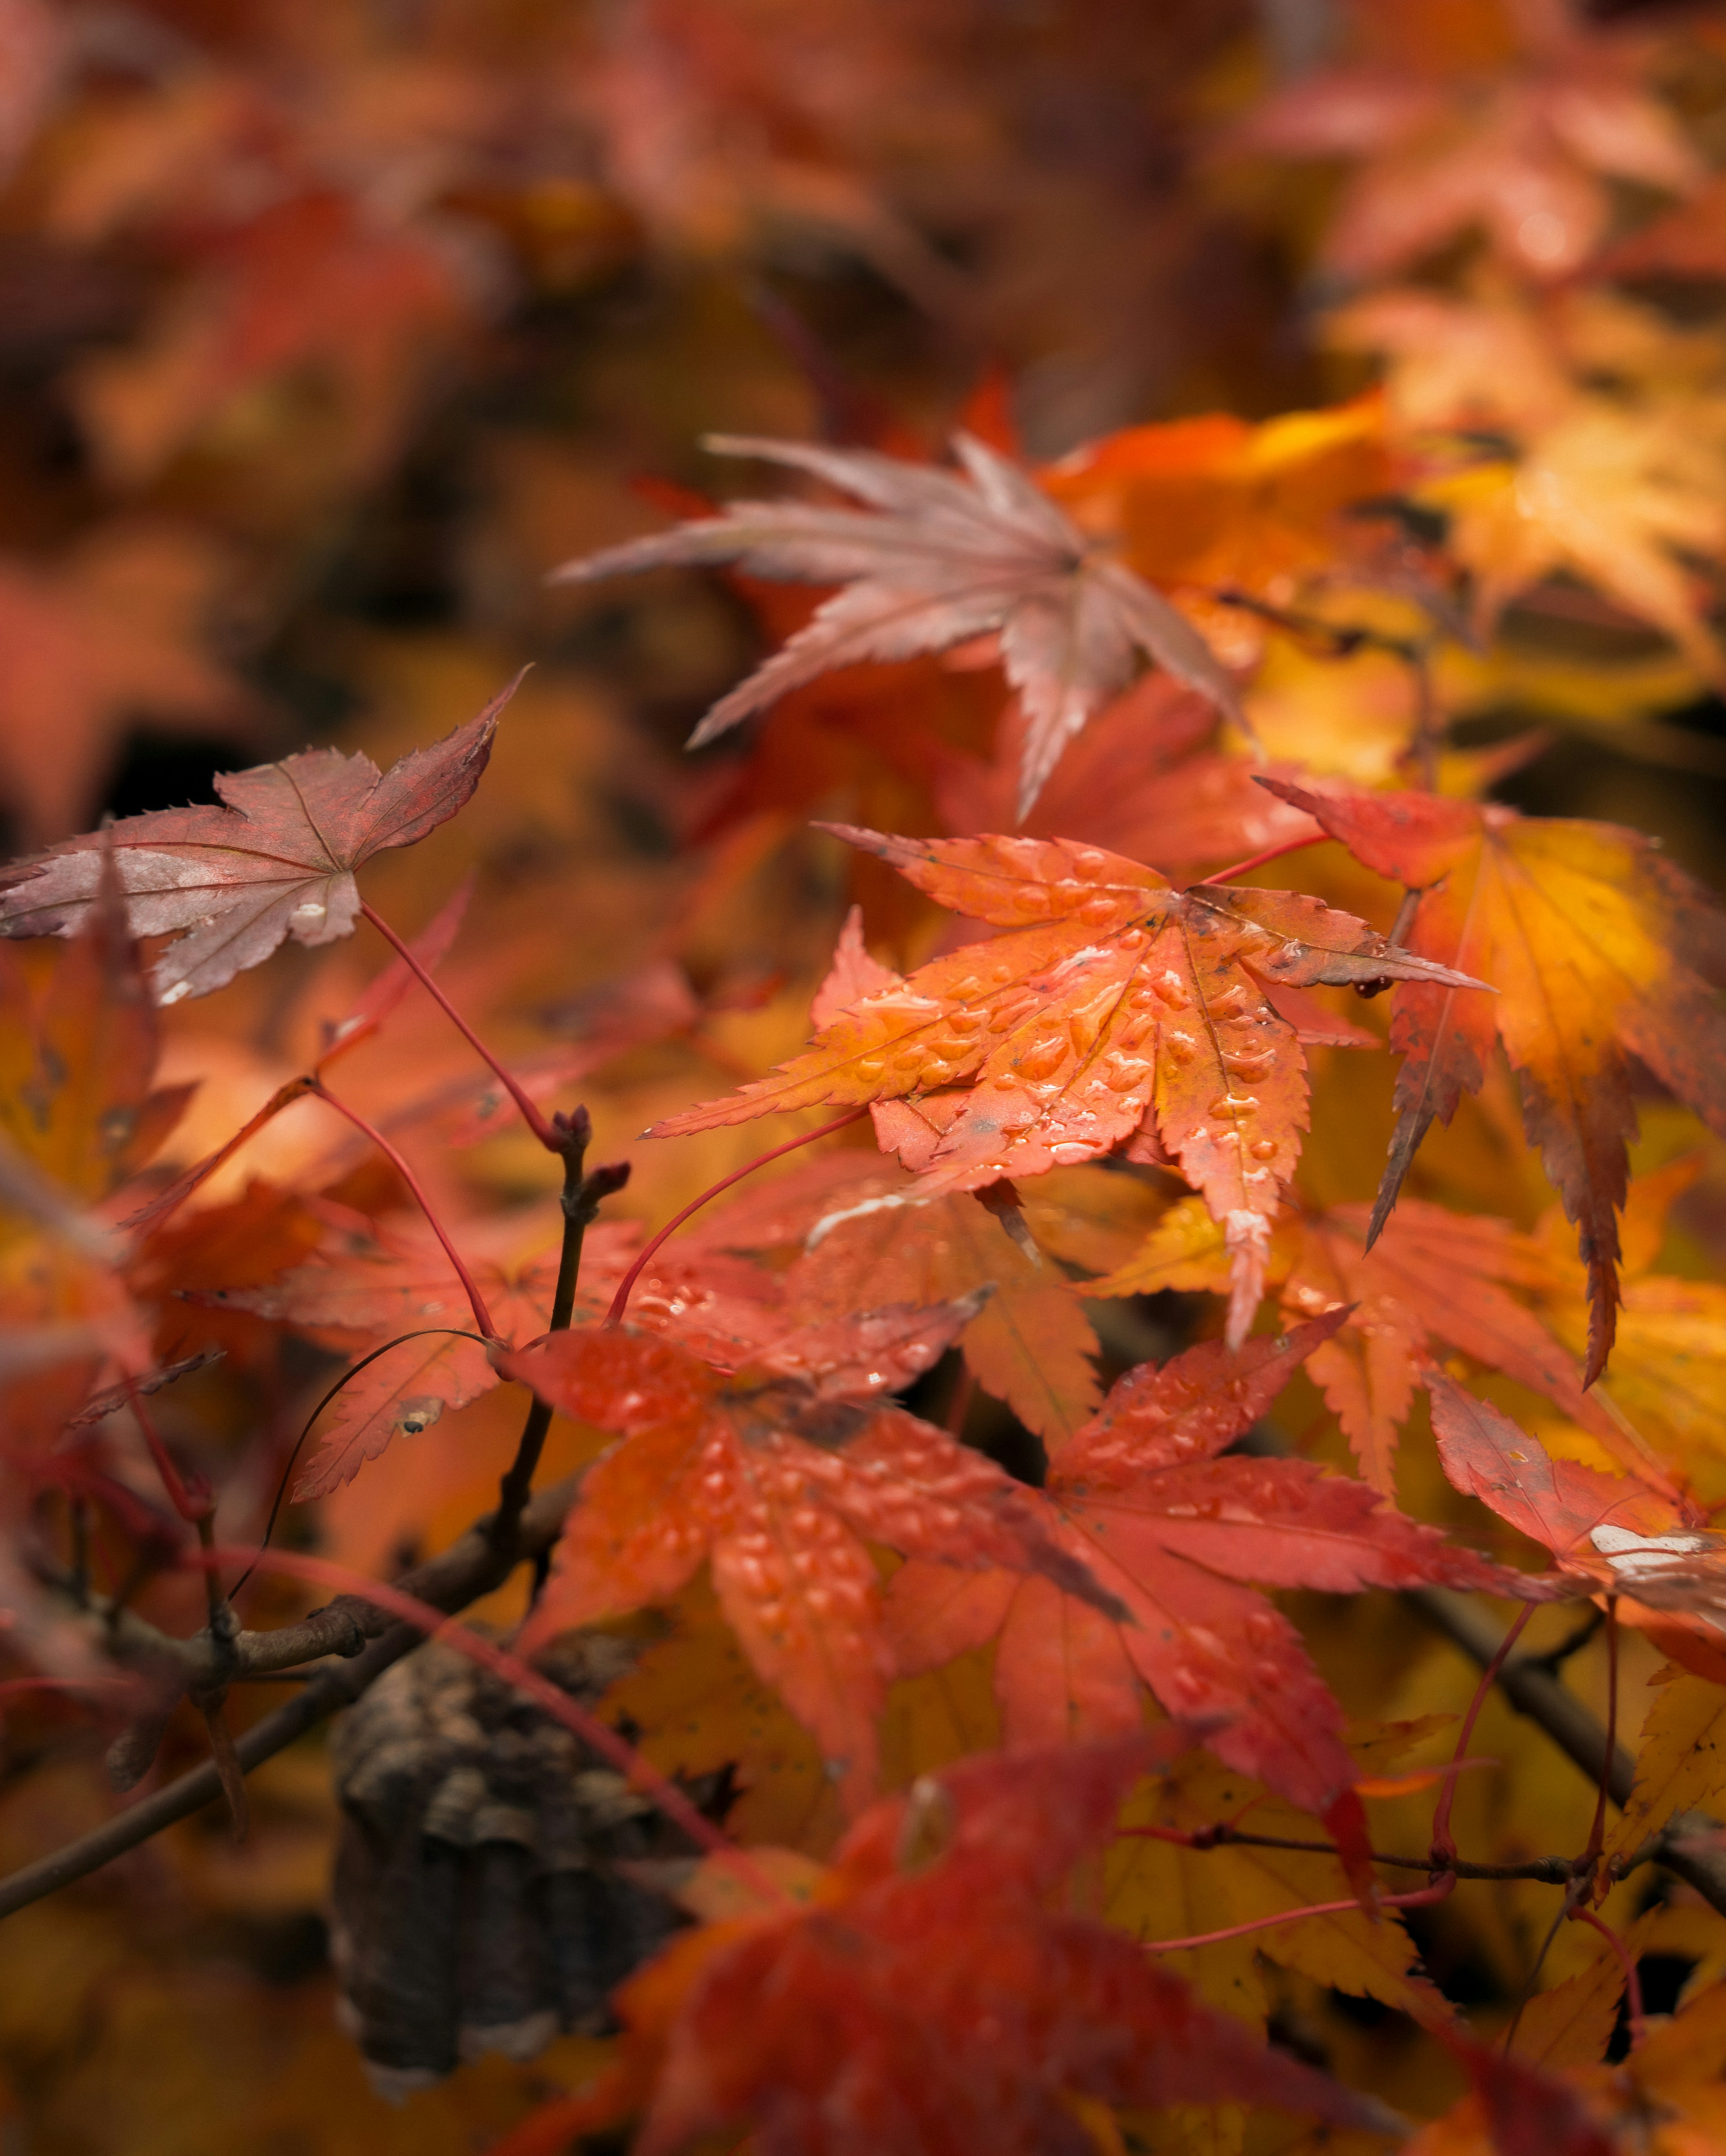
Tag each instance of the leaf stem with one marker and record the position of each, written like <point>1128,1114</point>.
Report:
<point>1444,1846</point>
<point>401,1340</point>
<point>620,1301</point>
<point>1597,1832</point>
<point>1436,1892</point>
<point>1258,860</point>
<point>545,1133</point>
<point>190,1496</point>
<point>476,1301</point>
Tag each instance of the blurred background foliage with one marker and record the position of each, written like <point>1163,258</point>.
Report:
<point>327,331</point>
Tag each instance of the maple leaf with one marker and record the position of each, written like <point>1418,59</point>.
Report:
<point>1145,779</point>
<point>1516,152</point>
<point>940,562</point>
<point>1668,1374</point>
<point>1030,1344</point>
<point>87,648</point>
<point>312,283</point>
<point>78,1053</point>
<point>1516,2107</point>
<point>1431,1276</point>
<point>1173,1530</point>
<point>1609,1534</point>
<point>774,1473</point>
<point>365,1289</point>
<point>1602,951</point>
<point>1157,1889</point>
<point>1127,1004</point>
<point>230,883</point>
<point>922,1996</point>
<point>1214,501</point>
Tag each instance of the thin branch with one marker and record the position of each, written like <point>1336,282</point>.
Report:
<point>1686,1848</point>
<point>581,1200</point>
<point>550,1698</point>
<point>1548,1870</point>
<point>547,1133</point>
<point>472,1566</point>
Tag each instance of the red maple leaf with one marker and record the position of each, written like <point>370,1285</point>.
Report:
<point>1617,1535</point>
<point>1173,1532</point>
<point>775,1472</point>
<point>927,1999</point>
<point>1145,779</point>
<point>230,883</point>
<point>377,1282</point>
<point>1117,1004</point>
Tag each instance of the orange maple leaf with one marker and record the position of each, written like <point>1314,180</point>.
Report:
<point>1602,951</point>
<point>775,1473</point>
<point>89,645</point>
<point>1432,1275</point>
<point>1127,1004</point>
<point>1517,151</point>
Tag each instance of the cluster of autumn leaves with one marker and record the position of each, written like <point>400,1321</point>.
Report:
<point>1051,726</point>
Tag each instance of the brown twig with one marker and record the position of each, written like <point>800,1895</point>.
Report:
<point>1684,1849</point>
<point>370,1642</point>
<point>582,1197</point>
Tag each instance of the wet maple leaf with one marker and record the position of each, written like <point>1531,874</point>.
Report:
<point>394,1278</point>
<point>1031,1345</point>
<point>922,1996</point>
<point>940,561</point>
<point>1602,951</point>
<point>230,883</point>
<point>774,1473</point>
<point>1432,1276</point>
<point>1127,1004</point>
<point>1174,1532</point>
<point>1609,1534</point>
